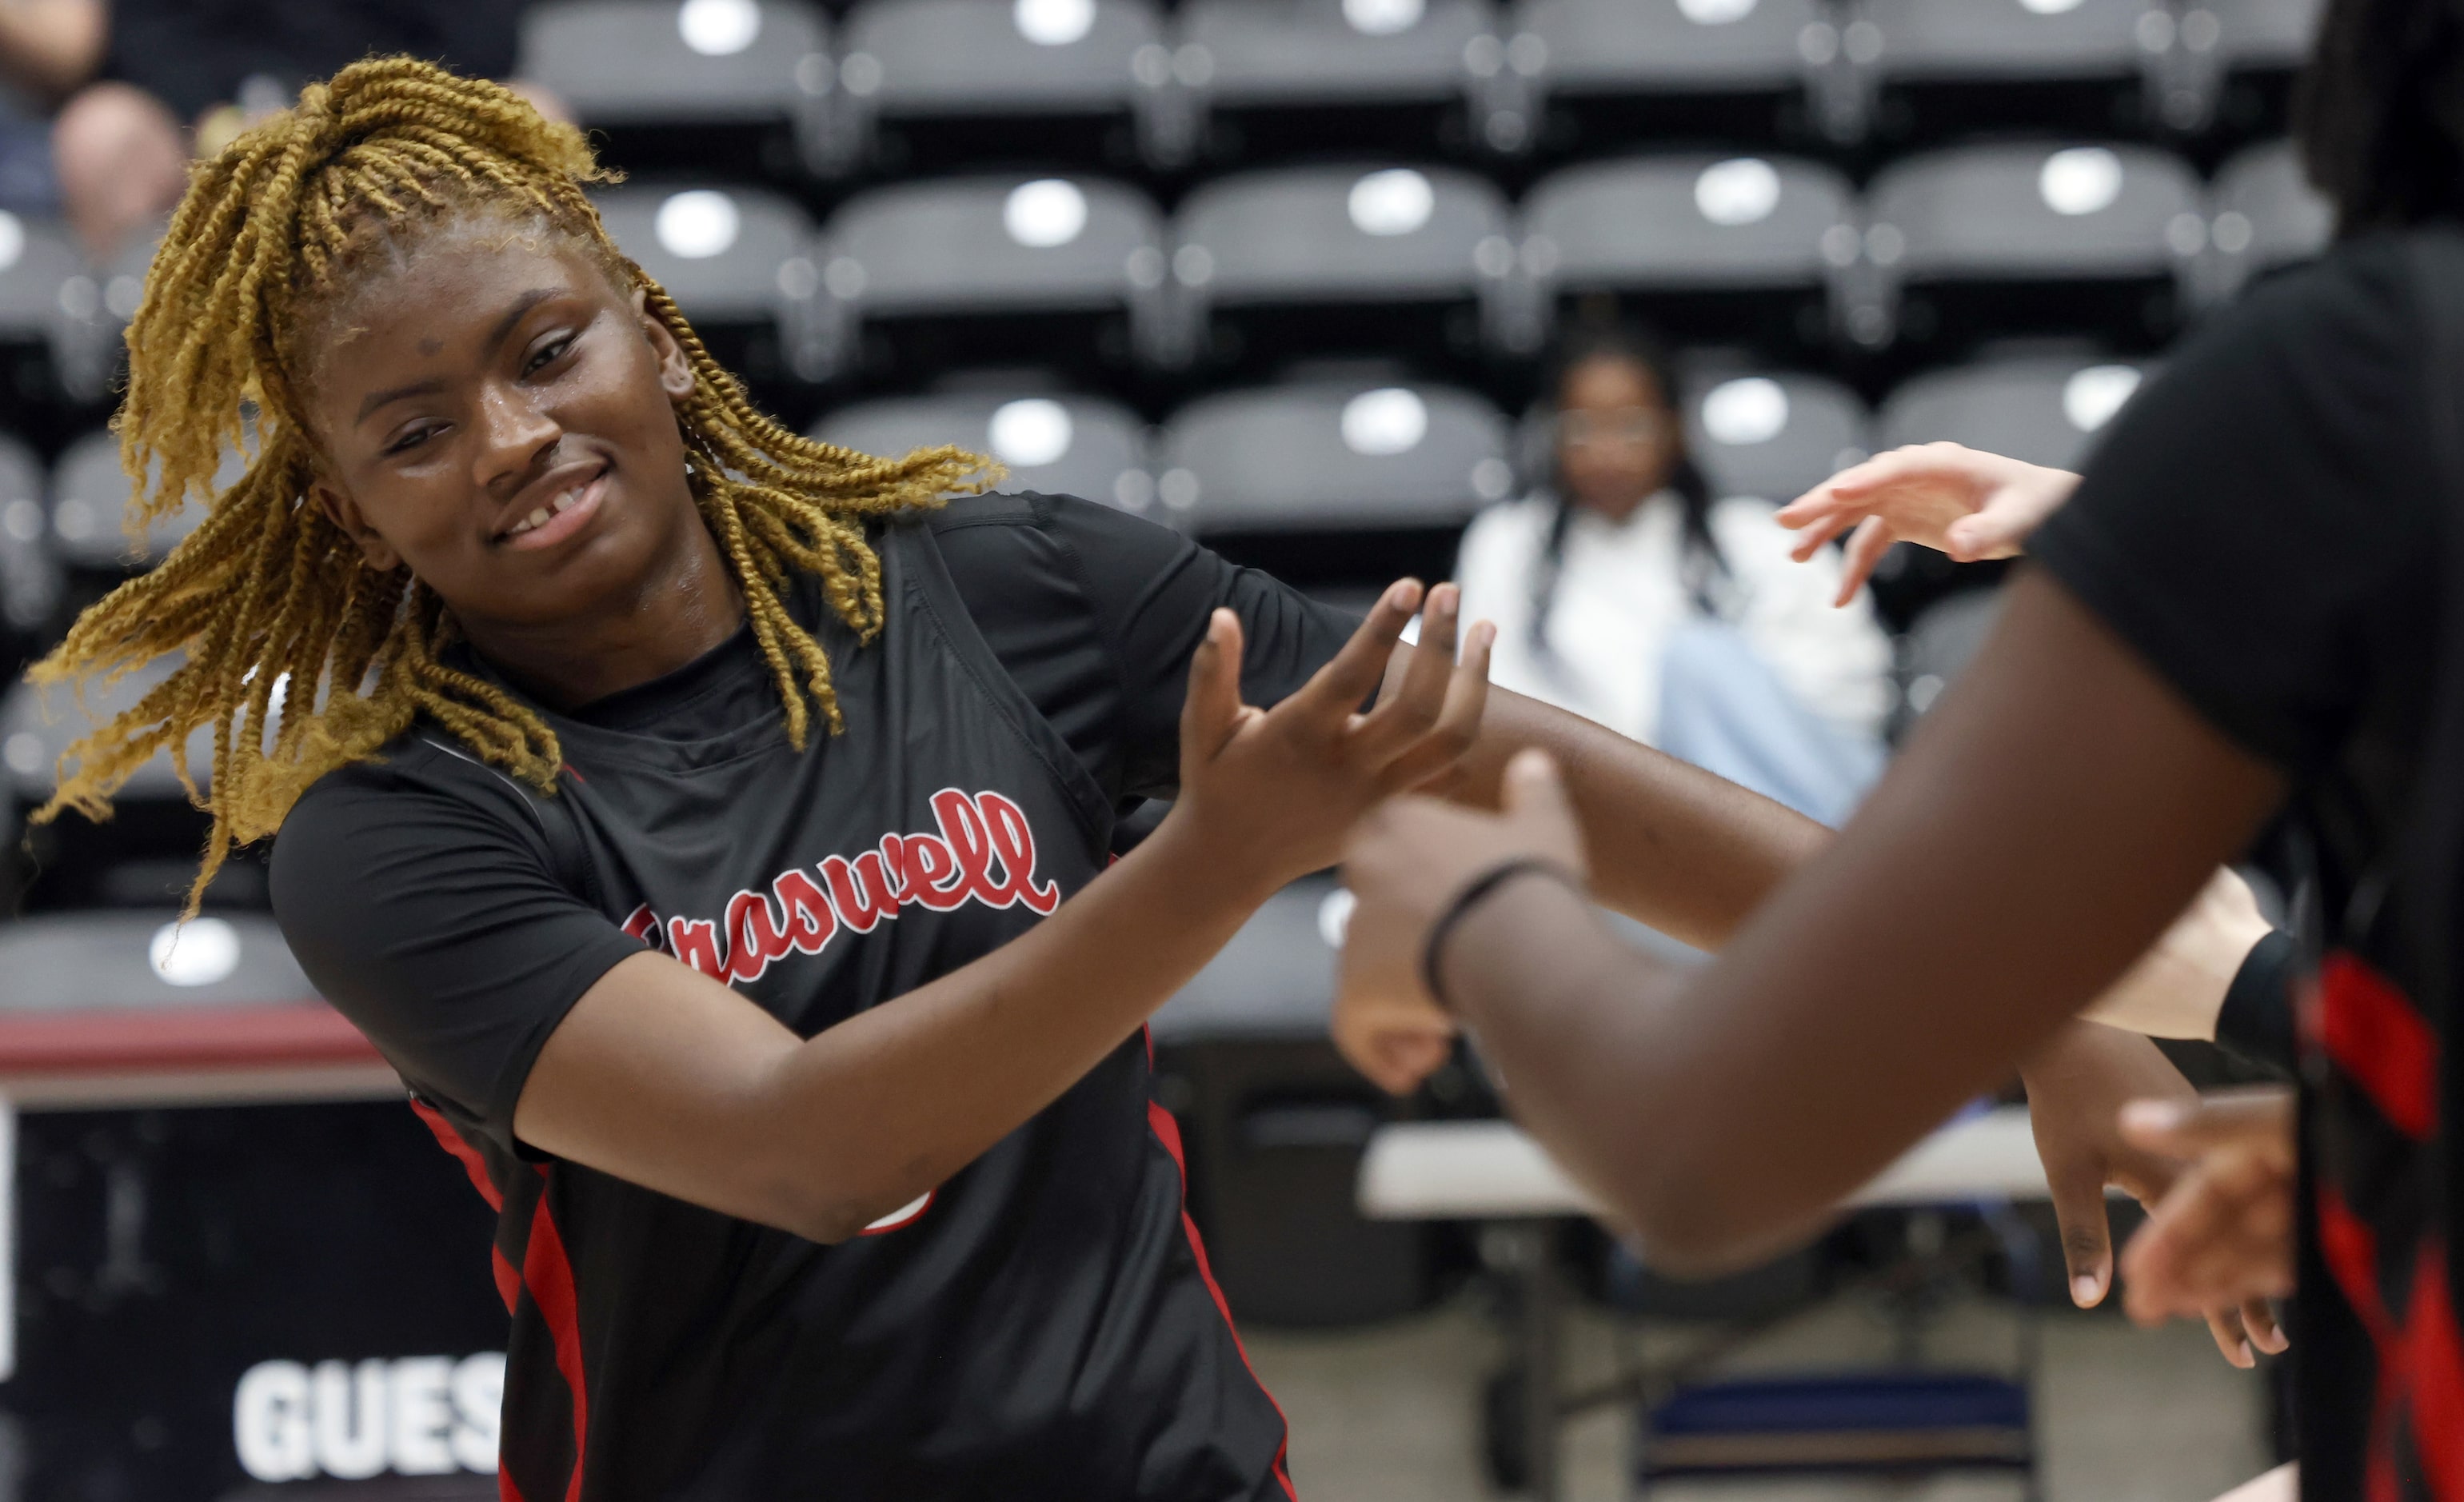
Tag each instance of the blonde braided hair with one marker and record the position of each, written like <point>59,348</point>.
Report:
<point>267,591</point>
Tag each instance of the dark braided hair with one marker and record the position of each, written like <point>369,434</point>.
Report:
<point>2380,112</point>
<point>1628,343</point>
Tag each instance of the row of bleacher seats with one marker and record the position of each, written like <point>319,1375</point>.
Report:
<point>1403,465</point>
<point>1777,253</point>
<point>1236,76</point>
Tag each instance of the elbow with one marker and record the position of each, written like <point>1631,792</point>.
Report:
<point>1690,1230</point>
<point>829,1213</point>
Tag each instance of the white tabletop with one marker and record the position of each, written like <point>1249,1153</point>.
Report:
<point>1490,1170</point>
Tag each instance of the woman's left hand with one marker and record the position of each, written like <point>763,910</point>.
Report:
<point>1405,864</point>
<point>2224,1233</point>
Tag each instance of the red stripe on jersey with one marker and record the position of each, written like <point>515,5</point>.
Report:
<point>2373,1035</point>
<point>548,1273</point>
<point>2434,1359</point>
<point>452,1142</point>
<point>509,1283</point>
<point>506,1490</point>
<point>1167,1131</point>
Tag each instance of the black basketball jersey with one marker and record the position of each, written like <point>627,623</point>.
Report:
<point>1041,1325</point>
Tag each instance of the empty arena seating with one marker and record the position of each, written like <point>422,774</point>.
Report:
<point>1262,258</point>
<point>1946,67</point>
<point>1284,76</point>
<point>734,259</point>
<point>648,69</point>
<point>1606,73</point>
<point>30,574</point>
<point>935,81</point>
<point>2004,238</point>
<point>1717,247</point>
<point>922,277</point>
<point>1774,434</point>
<point>91,495</point>
<point>2043,409</point>
<point>1053,442</point>
<point>2267,215</point>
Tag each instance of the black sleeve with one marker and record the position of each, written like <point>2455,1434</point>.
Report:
<point>433,922</point>
<point>2255,1023</point>
<point>2257,524</point>
<point>1096,614</point>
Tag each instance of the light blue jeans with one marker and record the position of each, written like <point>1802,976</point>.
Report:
<point>1724,709</point>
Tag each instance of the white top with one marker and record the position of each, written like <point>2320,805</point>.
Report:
<point>1621,594</point>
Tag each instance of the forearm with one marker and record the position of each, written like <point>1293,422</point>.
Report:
<point>668,1079</point>
<point>1686,851</point>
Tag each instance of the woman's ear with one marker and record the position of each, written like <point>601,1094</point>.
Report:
<point>675,371</point>
<point>344,513</point>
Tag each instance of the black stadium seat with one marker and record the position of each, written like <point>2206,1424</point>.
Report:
<point>922,277</point>
<point>1951,67</point>
<point>1609,73</point>
<point>1284,78</point>
<point>1054,442</point>
<point>1348,259</point>
<point>1719,246</point>
<point>932,83</point>
<point>2011,239</point>
<point>739,261</point>
<point>691,85</point>
<point>1331,484</point>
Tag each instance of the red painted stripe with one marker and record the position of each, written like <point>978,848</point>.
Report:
<point>548,1273</point>
<point>2434,1374</point>
<point>452,1142</point>
<point>2373,1035</point>
<point>201,1038</point>
<point>1168,1132</point>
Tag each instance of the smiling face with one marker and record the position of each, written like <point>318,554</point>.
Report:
<point>495,413</point>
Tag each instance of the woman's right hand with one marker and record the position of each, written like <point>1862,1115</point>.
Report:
<point>1960,501</point>
<point>1271,793</point>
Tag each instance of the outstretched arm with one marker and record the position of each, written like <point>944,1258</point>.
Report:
<point>2043,827</point>
<point>667,1078</point>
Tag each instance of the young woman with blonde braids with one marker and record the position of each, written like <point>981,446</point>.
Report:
<point>712,825</point>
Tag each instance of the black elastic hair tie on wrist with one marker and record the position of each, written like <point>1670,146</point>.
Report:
<point>1470,896</point>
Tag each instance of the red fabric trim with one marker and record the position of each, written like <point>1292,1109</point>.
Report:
<point>509,1283</point>
<point>198,1037</point>
<point>452,1142</point>
<point>548,1273</point>
<point>2350,1249</point>
<point>2434,1374</point>
<point>506,1490</point>
<point>1167,1131</point>
<point>2373,1035</point>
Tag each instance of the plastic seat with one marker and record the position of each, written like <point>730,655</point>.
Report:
<point>1277,77</point>
<point>1336,483</point>
<point>30,573</point>
<point>91,495</point>
<point>649,69</point>
<point>2045,409</point>
<point>49,302</point>
<point>1774,435</point>
<point>2019,238</point>
<point>931,82</point>
<point>1055,443</point>
<point>1608,72</point>
<point>1726,247</point>
<point>2267,215</point>
<point>1058,270</point>
<point>139,962</point>
<point>734,259</point>
<point>1954,66</point>
<point>1277,250</point>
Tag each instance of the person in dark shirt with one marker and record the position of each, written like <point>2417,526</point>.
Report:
<point>2248,610</point>
<point>714,827</point>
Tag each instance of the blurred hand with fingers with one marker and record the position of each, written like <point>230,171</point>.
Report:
<point>2224,1232</point>
<point>1963,501</point>
<point>1407,864</point>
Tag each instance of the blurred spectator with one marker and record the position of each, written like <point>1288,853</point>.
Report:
<point>1627,593</point>
<point>185,75</point>
<point>46,49</point>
